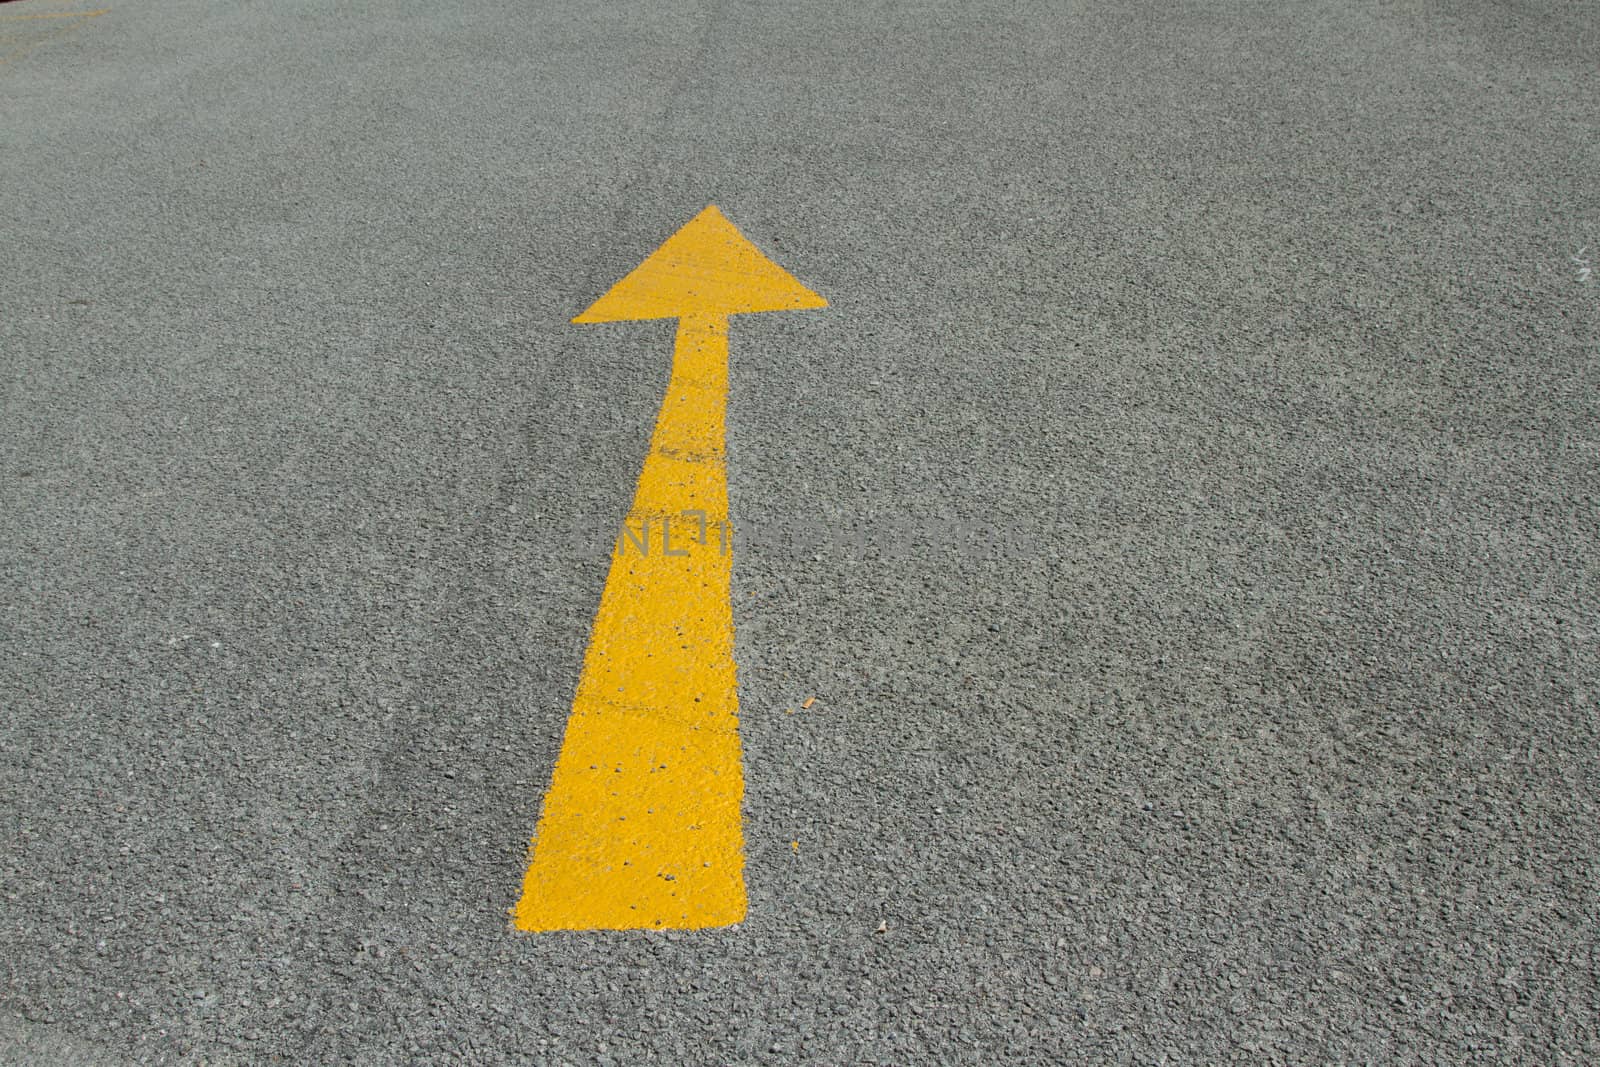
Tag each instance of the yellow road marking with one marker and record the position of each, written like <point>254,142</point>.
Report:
<point>57,15</point>
<point>16,51</point>
<point>642,827</point>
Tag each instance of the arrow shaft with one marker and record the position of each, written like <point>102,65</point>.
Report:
<point>641,827</point>
<point>692,426</point>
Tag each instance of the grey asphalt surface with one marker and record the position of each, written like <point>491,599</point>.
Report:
<point>1185,515</point>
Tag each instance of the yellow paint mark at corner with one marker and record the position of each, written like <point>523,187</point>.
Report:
<point>642,828</point>
<point>57,15</point>
<point>26,44</point>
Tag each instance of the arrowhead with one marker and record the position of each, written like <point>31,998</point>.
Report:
<point>706,268</point>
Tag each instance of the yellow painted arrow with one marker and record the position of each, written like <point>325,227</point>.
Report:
<point>641,828</point>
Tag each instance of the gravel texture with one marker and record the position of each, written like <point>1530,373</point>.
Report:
<point>1185,515</point>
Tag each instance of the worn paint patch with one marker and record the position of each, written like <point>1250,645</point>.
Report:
<point>21,33</point>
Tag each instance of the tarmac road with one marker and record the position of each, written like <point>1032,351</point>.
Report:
<point>1185,515</point>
